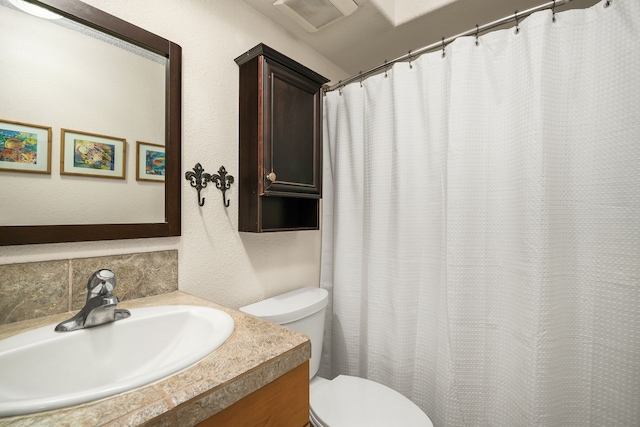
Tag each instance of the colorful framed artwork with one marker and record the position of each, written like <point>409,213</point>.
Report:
<point>150,159</point>
<point>90,154</point>
<point>25,147</point>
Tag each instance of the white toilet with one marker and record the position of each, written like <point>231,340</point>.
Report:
<point>345,400</point>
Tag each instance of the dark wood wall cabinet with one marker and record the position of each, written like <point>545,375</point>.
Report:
<point>280,179</point>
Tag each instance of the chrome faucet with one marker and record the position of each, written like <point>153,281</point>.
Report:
<point>101,304</point>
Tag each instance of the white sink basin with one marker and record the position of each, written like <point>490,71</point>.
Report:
<point>42,370</point>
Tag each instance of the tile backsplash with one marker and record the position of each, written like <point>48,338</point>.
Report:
<point>38,289</point>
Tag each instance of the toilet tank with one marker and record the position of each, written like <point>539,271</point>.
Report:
<point>302,310</point>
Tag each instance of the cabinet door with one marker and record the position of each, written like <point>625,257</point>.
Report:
<point>292,133</point>
<point>281,403</point>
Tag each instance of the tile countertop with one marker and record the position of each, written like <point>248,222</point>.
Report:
<point>257,353</point>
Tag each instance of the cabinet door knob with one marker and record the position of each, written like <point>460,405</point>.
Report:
<point>271,177</point>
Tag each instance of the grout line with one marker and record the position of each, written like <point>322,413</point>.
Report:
<point>70,285</point>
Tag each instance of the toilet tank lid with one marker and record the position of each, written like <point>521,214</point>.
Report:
<point>290,306</point>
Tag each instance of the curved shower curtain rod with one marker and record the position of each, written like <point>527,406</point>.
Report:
<point>517,16</point>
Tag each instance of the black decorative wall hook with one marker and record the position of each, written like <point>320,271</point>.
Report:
<point>199,179</point>
<point>223,183</point>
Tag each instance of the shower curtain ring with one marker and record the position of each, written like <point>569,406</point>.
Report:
<point>340,87</point>
<point>477,33</point>
<point>517,22</point>
<point>360,74</point>
<point>608,3</point>
<point>553,12</point>
<point>444,53</point>
<point>410,59</point>
<point>385,69</point>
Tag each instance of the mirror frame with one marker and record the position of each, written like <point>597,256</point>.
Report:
<point>116,27</point>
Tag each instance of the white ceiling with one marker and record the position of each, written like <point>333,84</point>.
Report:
<point>382,30</point>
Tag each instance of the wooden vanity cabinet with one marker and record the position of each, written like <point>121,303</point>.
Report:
<point>283,402</point>
<point>280,171</point>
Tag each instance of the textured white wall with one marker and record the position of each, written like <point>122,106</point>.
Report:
<point>215,261</point>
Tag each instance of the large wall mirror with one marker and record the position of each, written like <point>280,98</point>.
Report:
<point>90,126</point>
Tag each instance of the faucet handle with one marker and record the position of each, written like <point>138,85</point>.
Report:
<point>101,282</point>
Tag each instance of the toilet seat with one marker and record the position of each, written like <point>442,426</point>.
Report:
<point>352,401</point>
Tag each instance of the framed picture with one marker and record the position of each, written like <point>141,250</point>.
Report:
<point>150,159</point>
<point>25,147</point>
<point>90,154</point>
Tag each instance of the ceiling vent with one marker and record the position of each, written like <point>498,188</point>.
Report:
<point>315,14</point>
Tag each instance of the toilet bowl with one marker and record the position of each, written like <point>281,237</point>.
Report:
<point>345,400</point>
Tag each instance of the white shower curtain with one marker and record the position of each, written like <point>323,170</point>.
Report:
<point>481,225</point>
